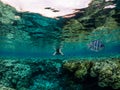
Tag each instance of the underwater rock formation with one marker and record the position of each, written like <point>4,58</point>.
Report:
<point>5,88</point>
<point>21,74</point>
<point>93,22</point>
<point>27,28</point>
<point>79,68</point>
<point>106,72</point>
<point>94,18</point>
<point>34,74</point>
<point>7,14</point>
<point>14,74</point>
<point>10,34</point>
<point>49,74</point>
<point>46,74</point>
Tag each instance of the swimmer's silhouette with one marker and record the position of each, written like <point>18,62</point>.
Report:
<point>58,51</point>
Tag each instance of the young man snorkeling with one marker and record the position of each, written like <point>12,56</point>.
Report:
<point>58,51</point>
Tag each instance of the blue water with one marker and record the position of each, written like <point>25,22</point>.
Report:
<point>70,50</point>
<point>47,34</point>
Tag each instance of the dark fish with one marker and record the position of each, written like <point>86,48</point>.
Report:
<point>47,7</point>
<point>55,10</point>
<point>96,45</point>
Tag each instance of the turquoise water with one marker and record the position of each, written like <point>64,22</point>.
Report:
<point>69,49</point>
<point>23,46</point>
<point>37,36</point>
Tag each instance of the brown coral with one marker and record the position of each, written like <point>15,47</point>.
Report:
<point>80,68</point>
<point>107,71</point>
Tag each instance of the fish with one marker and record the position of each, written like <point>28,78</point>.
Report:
<point>47,7</point>
<point>55,10</point>
<point>96,45</point>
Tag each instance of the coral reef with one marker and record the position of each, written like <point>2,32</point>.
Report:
<point>7,14</point>
<point>79,68</point>
<point>92,19</point>
<point>28,74</point>
<point>106,72</point>
<point>27,29</point>
<point>13,74</point>
<point>32,29</point>
<point>5,88</point>
<point>49,74</point>
<point>46,74</point>
<point>10,34</point>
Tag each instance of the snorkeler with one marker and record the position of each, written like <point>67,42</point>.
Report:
<point>58,51</point>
